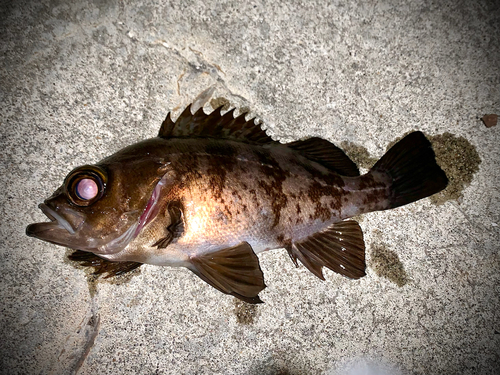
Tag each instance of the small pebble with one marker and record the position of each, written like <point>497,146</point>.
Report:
<point>490,120</point>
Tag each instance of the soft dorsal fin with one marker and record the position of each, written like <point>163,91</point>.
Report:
<point>214,125</point>
<point>327,154</point>
<point>340,248</point>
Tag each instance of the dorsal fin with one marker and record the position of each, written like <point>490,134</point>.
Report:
<point>214,125</point>
<point>326,154</point>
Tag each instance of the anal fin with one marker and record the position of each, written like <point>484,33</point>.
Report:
<point>340,248</point>
<point>235,271</point>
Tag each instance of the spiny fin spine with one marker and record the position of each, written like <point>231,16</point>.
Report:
<point>214,125</point>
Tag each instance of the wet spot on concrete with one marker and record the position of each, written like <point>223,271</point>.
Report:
<point>278,364</point>
<point>94,280</point>
<point>217,102</point>
<point>358,154</point>
<point>459,160</point>
<point>386,264</point>
<point>245,312</point>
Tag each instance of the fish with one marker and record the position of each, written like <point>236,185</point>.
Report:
<point>212,191</point>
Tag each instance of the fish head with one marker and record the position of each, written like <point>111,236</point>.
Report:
<point>101,208</point>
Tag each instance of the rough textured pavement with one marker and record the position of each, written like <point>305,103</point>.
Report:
<point>80,81</point>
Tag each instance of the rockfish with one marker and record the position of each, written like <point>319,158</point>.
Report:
<point>212,191</point>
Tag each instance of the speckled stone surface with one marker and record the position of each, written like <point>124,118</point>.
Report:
<point>81,80</point>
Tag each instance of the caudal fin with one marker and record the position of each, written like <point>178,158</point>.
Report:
<point>411,164</point>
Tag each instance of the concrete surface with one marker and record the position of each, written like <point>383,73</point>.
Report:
<point>80,80</point>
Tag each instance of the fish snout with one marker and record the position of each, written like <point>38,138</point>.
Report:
<point>58,230</point>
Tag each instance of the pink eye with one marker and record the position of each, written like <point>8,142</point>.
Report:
<point>86,189</point>
<point>85,185</point>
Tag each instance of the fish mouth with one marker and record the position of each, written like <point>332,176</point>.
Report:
<point>56,231</point>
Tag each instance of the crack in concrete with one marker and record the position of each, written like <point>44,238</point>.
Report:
<point>92,332</point>
<point>78,345</point>
<point>473,223</point>
<point>213,70</point>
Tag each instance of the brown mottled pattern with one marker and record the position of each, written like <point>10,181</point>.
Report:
<point>230,191</point>
<point>269,191</point>
<point>273,187</point>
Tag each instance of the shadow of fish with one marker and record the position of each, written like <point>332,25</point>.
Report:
<point>212,191</point>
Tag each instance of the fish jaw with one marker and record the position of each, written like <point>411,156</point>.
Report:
<point>60,232</point>
<point>64,229</point>
<point>57,231</point>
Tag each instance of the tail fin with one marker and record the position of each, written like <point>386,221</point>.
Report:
<point>412,166</point>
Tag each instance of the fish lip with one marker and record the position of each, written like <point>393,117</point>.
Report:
<point>54,216</point>
<point>57,223</point>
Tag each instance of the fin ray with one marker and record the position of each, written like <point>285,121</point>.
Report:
<point>102,266</point>
<point>327,154</point>
<point>235,271</point>
<point>175,228</point>
<point>340,248</point>
<point>411,164</point>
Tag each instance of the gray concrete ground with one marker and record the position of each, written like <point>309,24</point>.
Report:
<point>80,80</point>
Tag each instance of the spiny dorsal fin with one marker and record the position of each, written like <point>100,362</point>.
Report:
<point>234,271</point>
<point>214,125</point>
<point>340,248</point>
<point>327,154</point>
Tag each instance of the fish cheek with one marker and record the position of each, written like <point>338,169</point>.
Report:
<point>110,216</point>
<point>104,222</point>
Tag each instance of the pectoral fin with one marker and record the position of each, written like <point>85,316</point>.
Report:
<point>340,248</point>
<point>234,271</point>
<point>176,227</point>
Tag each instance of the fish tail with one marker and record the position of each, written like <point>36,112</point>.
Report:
<point>411,164</point>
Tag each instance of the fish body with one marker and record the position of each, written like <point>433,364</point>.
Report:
<point>211,191</point>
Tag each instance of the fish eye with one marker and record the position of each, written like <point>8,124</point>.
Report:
<point>85,185</point>
<point>86,189</point>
